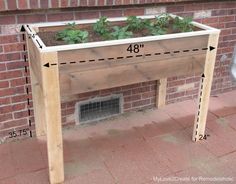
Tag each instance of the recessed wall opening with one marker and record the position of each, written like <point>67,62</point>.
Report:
<point>98,108</point>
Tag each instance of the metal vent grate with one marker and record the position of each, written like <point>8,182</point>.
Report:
<point>100,108</point>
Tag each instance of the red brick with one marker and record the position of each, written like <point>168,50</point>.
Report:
<point>210,20</point>
<point>148,94</point>
<point>232,12</point>
<point>33,4</point>
<point>13,47</point>
<point>229,37</point>
<point>22,4</point>
<point>217,25</point>
<point>10,74</point>
<point>127,106</point>
<point>135,11</point>
<point>111,13</point>
<point>230,24</point>
<point>64,3</point>
<point>91,2</point>
<point>86,15</point>
<point>9,56</point>
<point>233,30</point>
<point>5,109</point>
<point>7,19</point>
<point>132,98</point>
<point>18,107</point>
<point>219,12</point>
<point>5,117</point>
<point>110,2</point>
<point>141,103</point>
<point>21,114</point>
<point>4,84</point>
<point>15,65</point>
<point>83,3</point>
<point>73,3</point>
<point>141,90</point>
<point>19,98</point>
<point>12,5</point>
<point>210,6</point>
<point>224,5</point>
<point>223,44</point>
<point>101,2</point>
<point>44,4</point>
<point>176,83</point>
<point>193,7</point>
<point>33,18</point>
<point>226,19</point>
<point>5,100</point>
<point>17,82</point>
<point>55,3</point>
<point>2,67</point>
<point>175,8</point>
<point>126,2</point>
<point>8,39</point>
<point>15,123</point>
<point>2,5</point>
<point>176,95</point>
<point>60,17</point>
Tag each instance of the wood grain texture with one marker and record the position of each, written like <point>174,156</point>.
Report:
<point>205,89</point>
<point>90,80</point>
<point>161,92</point>
<point>51,93</point>
<point>36,85</point>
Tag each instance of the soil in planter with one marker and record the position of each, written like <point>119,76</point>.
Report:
<point>49,37</point>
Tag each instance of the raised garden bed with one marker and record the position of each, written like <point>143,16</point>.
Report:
<point>62,71</point>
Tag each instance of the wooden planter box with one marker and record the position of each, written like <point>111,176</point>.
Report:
<point>60,72</point>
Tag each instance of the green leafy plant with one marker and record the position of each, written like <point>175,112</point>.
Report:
<point>160,25</point>
<point>162,20</point>
<point>121,33</point>
<point>137,24</point>
<point>101,27</point>
<point>71,35</point>
<point>155,30</point>
<point>182,25</point>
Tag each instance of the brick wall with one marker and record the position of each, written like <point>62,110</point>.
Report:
<point>13,96</point>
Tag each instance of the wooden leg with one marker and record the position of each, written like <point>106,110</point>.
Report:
<point>52,102</point>
<point>161,96</point>
<point>37,94</point>
<point>205,89</point>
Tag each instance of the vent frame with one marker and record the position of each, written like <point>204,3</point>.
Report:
<point>78,105</point>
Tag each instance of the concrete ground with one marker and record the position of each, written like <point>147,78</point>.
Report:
<point>138,148</point>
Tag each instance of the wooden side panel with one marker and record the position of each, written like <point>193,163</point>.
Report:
<point>51,93</point>
<point>35,60</point>
<point>90,80</point>
<point>205,89</point>
<point>94,57</point>
<point>36,84</point>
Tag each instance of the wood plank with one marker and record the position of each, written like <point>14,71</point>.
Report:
<point>37,94</point>
<point>205,89</point>
<point>160,49</point>
<point>35,60</point>
<point>161,92</point>
<point>90,80</point>
<point>51,92</point>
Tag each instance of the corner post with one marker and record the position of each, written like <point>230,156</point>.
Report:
<point>205,88</point>
<point>161,90</point>
<point>52,101</point>
<point>36,85</point>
